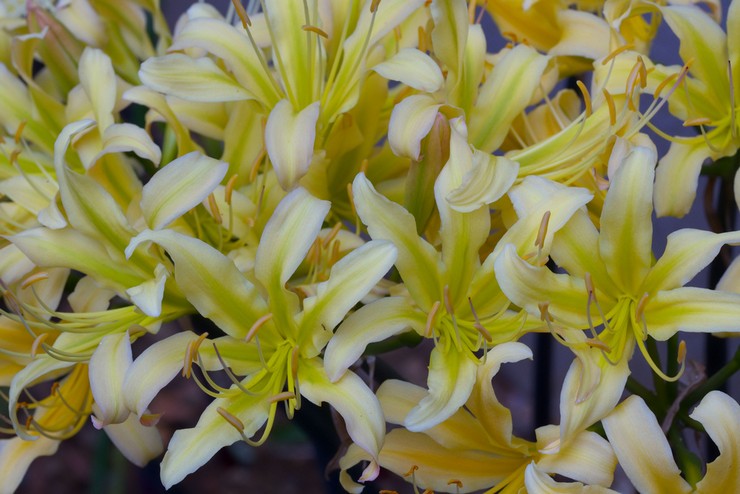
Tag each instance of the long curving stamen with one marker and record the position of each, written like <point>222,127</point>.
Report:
<point>478,326</point>
<point>586,98</point>
<point>256,326</point>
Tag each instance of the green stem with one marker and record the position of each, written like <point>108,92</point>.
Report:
<point>661,391</point>
<point>688,462</point>
<point>672,367</point>
<point>634,387</point>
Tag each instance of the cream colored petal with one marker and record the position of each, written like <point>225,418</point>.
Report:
<point>90,296</point>
<point>411,121</point>
<point>209,280</point>
<point>587,457</point>
<point>190,449</point>
<point>125,137</point>
<point>418,262</point>
<point>720,416</point>
<point>194,79</point>
<point>677,177</point>
<point>138,443</point>
<point>692,309</point>
<point>730,281</point>
<point>353,400</point>
<point>99,81</point>
<point>16,455</point>
<point>537,481</point>
<point>289,140</point>
<point>625,242</point>
<point>450,381</point>
<point>489,179</point>
<point>642,449</point>
<point>687,252</point>
<point>108,366</point>
<point>375,322</point>
<point>148,295</point>
<point>584,34</point>
<point>413,68</point>
<point>180,186</point>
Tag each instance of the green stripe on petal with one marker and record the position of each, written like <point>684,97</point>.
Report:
<point>696,310</point>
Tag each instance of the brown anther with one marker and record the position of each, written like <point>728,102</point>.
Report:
<point>213,206</point>
<point>586,97</point>
<point>430,319</point>
<point>150,419</point>
<point>254,169</point>
<point>639,312</point>
<point>332,234</point>
<point>364,165</point>
<point>477,325</point>
<point>612,107</point>
<point>190,354</point>
<point>30,280</point>
<point>315,30</point>
<point>19,132</point>
<point>542,232</point>
<point>616,53</point>
<point>422,39</point>
<point>374,6</point>
<point>590,288</point>
<point>256,326</point>
<point>54,388</point>
<point>643,72</point>
<point>681,352</point>
<point>246,22</point>
<point>597,343</point>
<point>37,343</point>
<point>456,482</point>
<point>231,419</point>
<point>544,311</point>
<point>29,421</point>
<point>14,155</point>
<point>411,471</point>
<point>664,83</point>
<point>694,122</point>
<point>284,396</point>
<point>229,189</point>
<point>510,35</point>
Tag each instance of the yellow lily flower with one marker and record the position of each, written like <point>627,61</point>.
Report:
<point>475,449</point>
<point>284,336</point>
<point>645,455</point>
<point>613,280</point>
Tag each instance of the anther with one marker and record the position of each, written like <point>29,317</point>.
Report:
<point>284,396</point>
<point>229,190</point>
<point>214,208</point>
<point>246,22</point>
<point>315,30</point>
<point>694,122</point>
<point>456,482</point>
<point>256,326</point>
<point>411,471</point>
<point>254,169</point>
<point>430,319</point>
<point>643,72</point>
<point>190,352</point>
<point>364,165</point>
<point>663,84</point>
<point>612,108</point>
<point>231,419</point>
<point>639,312</point>
<point>150,419</point>
<point>542,232</point>
<point>544,312</point>
<point>35,278</point>
<point>374,6</point>
<point>332,234</point>
<point>616,53</point>
<point>586,97</point>
<point>477,325</point>
<point>681,352</point>
<point>422,39</point>
<point>19,132</point>
<point>38,342</point>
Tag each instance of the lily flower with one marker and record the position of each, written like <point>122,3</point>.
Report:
<point>645,455</point>
<point>475,448</point>
<point>274,338</point>
<point>613,280</point>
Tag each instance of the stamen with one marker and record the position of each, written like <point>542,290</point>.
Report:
<point>652,364</point>
<point>643,72</point>
<point>663,84</point>
<point>374,6</point>
<point>214,208</point>
<point>284,396</point>
<point>422,39</point>
<point>364,165</point>
<point>256,326</point>
<point>37,342</point>
<point>471,11</point>
<point>681,358</point>
<point>150,419</point>
<point>246,22</point>
<point>229,373</point>
<point>254,170</point>
<point>544,312</point>
<point>542,233</point>
<point>457,483</point>
<point>190,353</point>
<point>430,319</point>
<point>630,86</point>
<point>30,280</point>
<point>693,122</point>
<point>639,312</point>
<point>315,30</point>
<point>616,52</point>
<point>586,98</point>
<point>228,191</point>
<point>478,326</point>
<point>612,107</point>
<point>231,419</point>
<point>332,234</point>
<point>19,132</point>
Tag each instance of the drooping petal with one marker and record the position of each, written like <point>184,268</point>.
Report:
<point>285,241</point>
<point>189,449</point>
<point>353,400</point>
<point>99,81</point>
<point>351,279</point>
<point>720,416</point>
<point>677,177</point>
<point>138,443</point>
<point>107,370</point>
<point>625,242</point>
<point>413,68</point>
<point>209,280</point>
<point>148,296</point>
<point>178,187</point>
<point>642,448</point>
<point>536,480</point>
<point>17,454</point>
<point>587,457</point>
<point>489,179</point>
<point>687,252</point>
<point>418,262</point>
<point>373,323</point>
<point>123,138</point>
<point>289,140</point>
<point>451,379</point>
<point>411,121</point>
<point>692,309</point>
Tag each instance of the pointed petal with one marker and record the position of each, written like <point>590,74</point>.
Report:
<point>139,444</point>
<point>194,79</point>
<point>180,186</point>
<point>125,137</point>
<point>730,281</point>
<point>16,455</point>
<point>587,457</point>
<point>451,379</point>
<point>642,448</point>
<point>692,309</point>
<point>148,295</point>
<point>289,140</point>
<point>677,177</point>
<point>99,81</point>
<point>209,280</point>
<point>411,121</point>
<point>90,296</point>
<point>373,323</point>
<point>687,252</point>
<point>190,449</point>
<point>536,480</point>
<point>625,242</point>
<point>353,400</point>
<point>108,366</point>
<point>418,261</point>
<point>413,68</point>
<point>351,279</point>
<point>286,239</point>
<point>488,180</point>
<point>720,416</point>
<point>583,35</point>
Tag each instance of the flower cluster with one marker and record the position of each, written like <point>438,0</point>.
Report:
<point>329,180</point>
